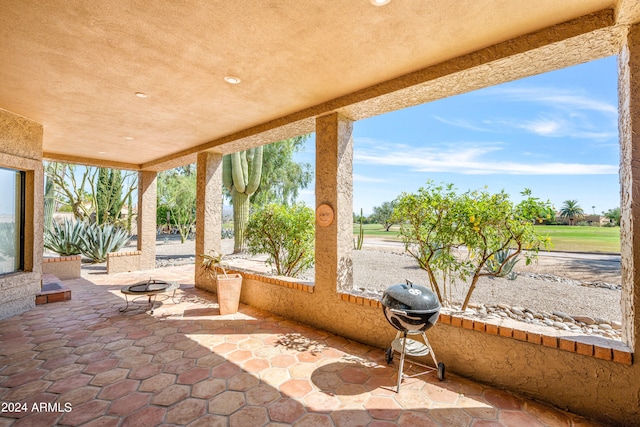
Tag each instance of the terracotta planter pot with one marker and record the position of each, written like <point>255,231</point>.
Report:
<point>228,291</point>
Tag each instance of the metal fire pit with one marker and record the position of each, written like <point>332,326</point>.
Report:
<point>147,292</point>
<point>412,310</point>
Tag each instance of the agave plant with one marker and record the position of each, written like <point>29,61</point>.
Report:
<point>493,264</point>
<point>101,239</point>
<point>65,239</point>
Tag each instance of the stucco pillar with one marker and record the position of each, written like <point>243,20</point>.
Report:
<point>208,211</point>
<point>629,127</point>
<point>147,206</point>
<point>334,187</point>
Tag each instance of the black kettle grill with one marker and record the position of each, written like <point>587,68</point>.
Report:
<point>412,310</point>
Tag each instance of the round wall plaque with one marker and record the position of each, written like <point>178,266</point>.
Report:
<point>324,215</point>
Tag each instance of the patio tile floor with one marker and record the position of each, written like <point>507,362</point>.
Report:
<point>82,362</point>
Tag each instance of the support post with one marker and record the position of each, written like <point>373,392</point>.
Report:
<point>334,188</point>
<point>147,206</point>
<point>629,128</point>
<point>208,212</point>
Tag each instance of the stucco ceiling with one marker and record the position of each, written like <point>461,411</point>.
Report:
<point>75,66</point>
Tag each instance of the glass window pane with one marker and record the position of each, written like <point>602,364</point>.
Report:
<point>10,220</point>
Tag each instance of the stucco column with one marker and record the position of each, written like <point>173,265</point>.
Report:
<point>334,187</point>
<point>629,127</point>
<point>208,211</point>
<point>147,206</point>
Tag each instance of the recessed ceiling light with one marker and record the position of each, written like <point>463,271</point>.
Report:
<point>379,2</point>
<point>102,152</point>
<point>232,80</point>
<point>128,138</point>
<point>141,95</point>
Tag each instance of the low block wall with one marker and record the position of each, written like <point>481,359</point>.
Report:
<point>63,267</point>
<point>122,262</point>
<point>597,378</point>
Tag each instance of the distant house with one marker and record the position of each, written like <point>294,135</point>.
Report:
<point>595,220</point>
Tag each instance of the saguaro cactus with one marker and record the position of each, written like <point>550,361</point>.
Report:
<point>241,174</point>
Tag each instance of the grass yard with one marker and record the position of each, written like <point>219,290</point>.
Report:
<point>582,239</point>
<point>563,237</point>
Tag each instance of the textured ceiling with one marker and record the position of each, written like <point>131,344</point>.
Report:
<point>75,66</point>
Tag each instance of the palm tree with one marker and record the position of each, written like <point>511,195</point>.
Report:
<point>571,210</point>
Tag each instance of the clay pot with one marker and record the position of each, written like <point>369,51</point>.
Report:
<point>228,290</point>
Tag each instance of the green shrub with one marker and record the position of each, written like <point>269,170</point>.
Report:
<point>65,239</point>
<point>98,240</point>
<point>286,235</point>
<point>439,226</point>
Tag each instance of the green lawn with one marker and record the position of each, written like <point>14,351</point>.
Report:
<point>563,237</point>
<point>582,239</point>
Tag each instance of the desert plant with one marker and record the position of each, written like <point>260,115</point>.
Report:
<point>502,265</point>
<point>65,239</point>
<point>286,235</point>
<point>227,233</point>
<point>357,245</point>
<point>211,263</point>
<point>99,240</point>
<point>241,174</point>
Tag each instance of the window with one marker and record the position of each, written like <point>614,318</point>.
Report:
<point>12,209</point>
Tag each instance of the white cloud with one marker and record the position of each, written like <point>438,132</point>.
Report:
<point>543,127</point>
<point>462,124</point>
<point>468,159</point>
<point>558,98</point>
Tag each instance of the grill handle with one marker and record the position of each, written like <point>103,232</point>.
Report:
<point>396,311</point>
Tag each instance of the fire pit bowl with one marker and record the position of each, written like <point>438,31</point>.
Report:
<point>148,291</point>
<point>410,308</point>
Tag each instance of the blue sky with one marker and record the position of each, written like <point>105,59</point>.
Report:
<point>556,133</point>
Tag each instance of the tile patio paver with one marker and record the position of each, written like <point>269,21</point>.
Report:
<point>187,365</point>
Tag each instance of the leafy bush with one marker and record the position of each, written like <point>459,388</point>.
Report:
<point>455,235</point>
<point>284,233</point>
<point>98,240</point>
<point>65,239</point>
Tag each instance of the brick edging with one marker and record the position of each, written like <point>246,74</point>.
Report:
<point>278,281</point>
<point>61,259</point>
<point>624,357</point>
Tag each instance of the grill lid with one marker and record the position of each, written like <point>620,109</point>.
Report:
<point>410,297</point>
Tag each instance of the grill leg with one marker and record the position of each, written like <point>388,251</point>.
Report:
<point>400,369</point>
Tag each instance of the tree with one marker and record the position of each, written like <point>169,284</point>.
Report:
<point>177,194</point>
<point>454,235</point>
<point>108,198</point>
<point>383,214</point>
<point>71,185</point>
<point>241,173</point>
<point>571,210</point>
<point>613,215</point>
<point>77,187</point>
<point>282,177</point>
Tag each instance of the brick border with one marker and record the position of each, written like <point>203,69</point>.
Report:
<point>278,281</point>
<point>576,346</point>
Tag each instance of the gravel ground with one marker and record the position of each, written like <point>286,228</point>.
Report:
<point>560,283</point>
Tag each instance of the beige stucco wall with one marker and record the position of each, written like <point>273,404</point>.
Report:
<point>21,149</point>
<point>605,390</point>
<point>63,267</point>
